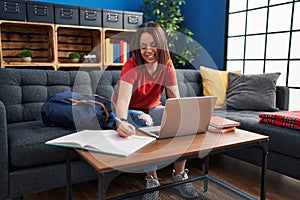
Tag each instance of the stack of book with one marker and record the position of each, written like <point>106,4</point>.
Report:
<point>222,125</point>
<point>289,119</point>
<point>117,51</point>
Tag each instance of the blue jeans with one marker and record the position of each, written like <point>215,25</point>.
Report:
<point>156,115</point>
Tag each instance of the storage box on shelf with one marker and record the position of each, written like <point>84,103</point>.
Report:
<point>132,20</point>
<point>40,12</point>
<point>90,17</point>
<point>13,10</point>
<point>65,14</point>
<point>37,37</point>
<point>117,46</point>
<point>112,18</point>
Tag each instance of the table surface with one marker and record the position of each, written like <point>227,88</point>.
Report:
<point>172,148</point>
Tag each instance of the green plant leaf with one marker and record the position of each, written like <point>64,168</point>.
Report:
<point>26,53</point>
<point>168,15</point>
<point>74,55</point>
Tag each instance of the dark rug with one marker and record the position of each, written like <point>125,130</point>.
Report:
<point>216,190</point>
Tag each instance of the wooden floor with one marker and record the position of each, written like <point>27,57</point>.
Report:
<point>240,174</point>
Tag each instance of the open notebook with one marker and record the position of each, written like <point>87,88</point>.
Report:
<point>103,141</point>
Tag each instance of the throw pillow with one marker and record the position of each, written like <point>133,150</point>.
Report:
<point>215,83</point>
<point>252,92</point>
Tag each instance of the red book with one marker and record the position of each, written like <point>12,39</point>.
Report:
<point>221,122</point>
<point>292,117</point>
<point>122,60</point>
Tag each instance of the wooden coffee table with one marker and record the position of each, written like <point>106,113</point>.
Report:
<point>166,151</point>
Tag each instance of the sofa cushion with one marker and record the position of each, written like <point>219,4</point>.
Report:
<point>27,144</point>
<point>215,83</point>
<point>105,83</point>
<point>188,83</point>
<point>252,92</point>
<point>282,140</point>
<point>23,92</point>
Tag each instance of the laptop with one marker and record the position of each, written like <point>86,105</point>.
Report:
<point>183,116</point>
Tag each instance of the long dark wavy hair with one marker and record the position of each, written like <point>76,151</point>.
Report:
<point>161,41</point>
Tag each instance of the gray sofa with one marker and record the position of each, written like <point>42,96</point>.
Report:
<point>27,165</point>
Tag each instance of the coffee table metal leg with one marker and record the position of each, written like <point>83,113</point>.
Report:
<point>104,179</point>
<point>101,186</point>
<point>265,150</point>
<point>68,174</point>
<point>206,165</point>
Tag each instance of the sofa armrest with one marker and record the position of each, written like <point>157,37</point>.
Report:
<point>4,153</point>
<point>282,97</point>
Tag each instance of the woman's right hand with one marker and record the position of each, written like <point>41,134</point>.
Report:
<point>125,129</point>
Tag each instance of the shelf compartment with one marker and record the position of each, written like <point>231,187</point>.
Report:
<point>36,37</point>
<point>85,41</point>
<point>111,55</point>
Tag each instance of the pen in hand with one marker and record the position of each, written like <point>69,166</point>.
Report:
<point>124,126</point>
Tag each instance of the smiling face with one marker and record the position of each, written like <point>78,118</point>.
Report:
<point>148,48</point>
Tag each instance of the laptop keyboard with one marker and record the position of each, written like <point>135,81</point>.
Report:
<point>154,132</point>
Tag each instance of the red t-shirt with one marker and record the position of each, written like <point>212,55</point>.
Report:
<point>147,90</point>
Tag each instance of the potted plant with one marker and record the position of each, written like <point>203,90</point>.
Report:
<point>74,56</point>
<point>26,55</point>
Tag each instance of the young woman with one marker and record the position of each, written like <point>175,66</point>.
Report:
<point>142,81</point>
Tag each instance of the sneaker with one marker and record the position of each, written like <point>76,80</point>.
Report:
<point>151,183</point>
<point>186,190</point>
